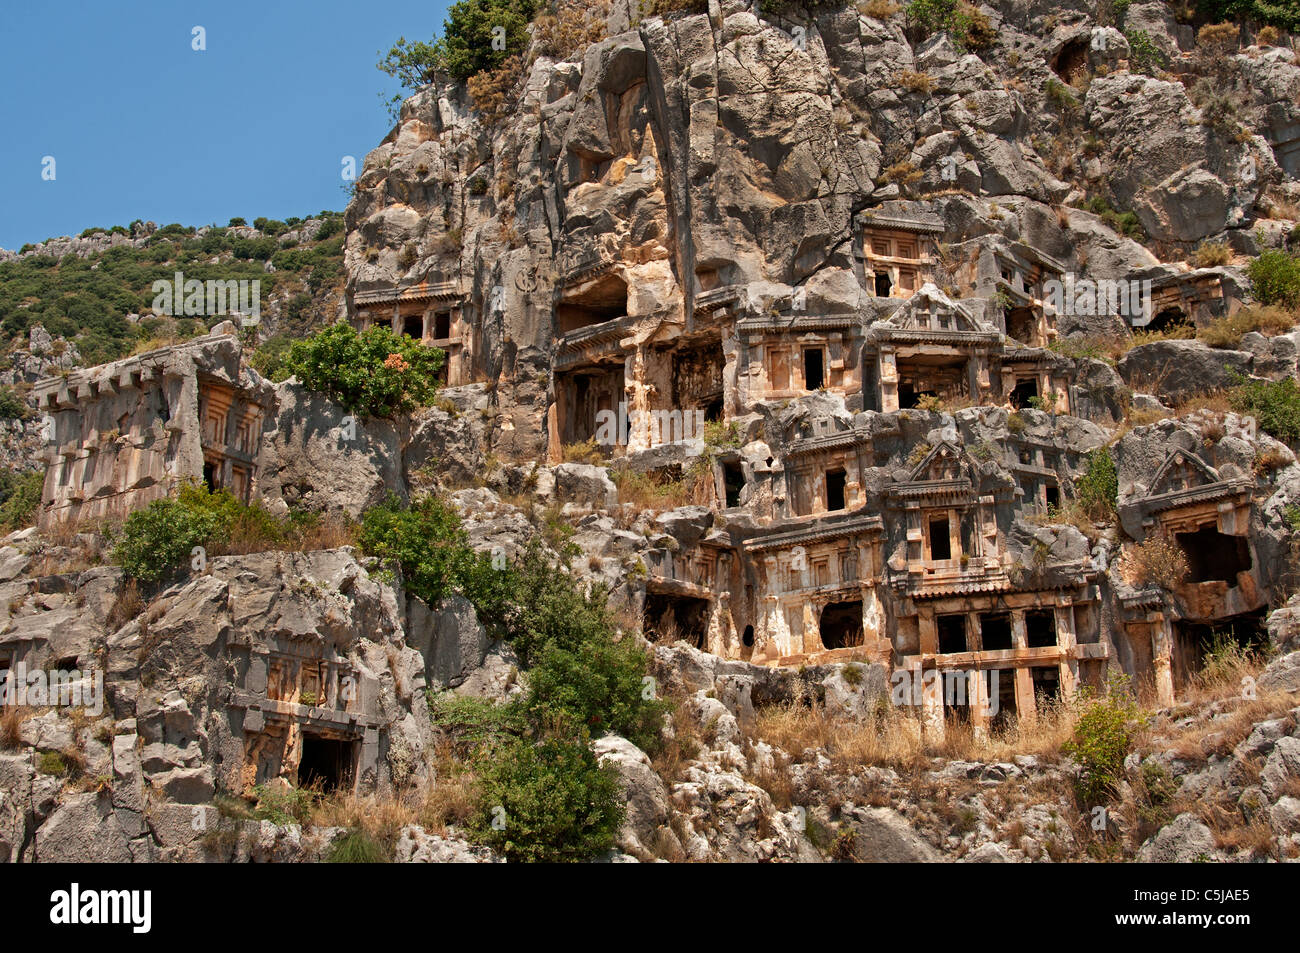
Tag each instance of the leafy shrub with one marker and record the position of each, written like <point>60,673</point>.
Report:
<point>13,407</point>
<point>20,495</point>
<point>1274,404</point>
<point>1144,55</point>
<point>271,358</point>
<point>1276,13</point>
<point>158,540</point>
<point>1126,223</point>
<point>1275,278</point>
<point>969,28</point>
<point>374,372</point>
<point>427,541</point>
<point>466,46</point>
<point>596,686</point>
<point>1097,491</point>
<point>1102,738</point>
<point>550,801</point>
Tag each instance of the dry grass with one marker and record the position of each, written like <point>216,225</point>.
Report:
<point>1227,332</point>
<point>897,739</point>
<point>651,492</point>
<point>449,799</point>
<point>128,604</point>
<point>1211,254</point>
<point>1157,561</point>
<point>11,725</point>
<point>914,81</point>
<point>588,451</point>
<point>904,173</point>
<point>879,9</point>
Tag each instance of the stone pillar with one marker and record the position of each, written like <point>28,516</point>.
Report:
<point>1026,706</point>
<point>397,319</point>
<point>1162,640</point>
<point>1065,638</point>
<point>888,377</point>
<point>977,697</point>
<point>932,703</point>
<point>812,639</point>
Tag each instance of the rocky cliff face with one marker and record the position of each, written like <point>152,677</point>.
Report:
<point>934,496</point>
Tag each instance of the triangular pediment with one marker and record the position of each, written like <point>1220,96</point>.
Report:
<point>932,310</point>
<point>945,462</point>
<point>1181,471</point>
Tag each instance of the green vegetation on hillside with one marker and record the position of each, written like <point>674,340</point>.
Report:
<point>542,795</point>
<point>86,300</point>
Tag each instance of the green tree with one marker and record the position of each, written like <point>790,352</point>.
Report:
<point>547,801</point>
<point>374,372</point>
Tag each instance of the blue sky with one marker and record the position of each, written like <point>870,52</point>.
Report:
<point>140,125</point>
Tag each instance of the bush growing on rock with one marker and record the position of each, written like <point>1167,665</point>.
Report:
<point>598,687</point>
<point>547,801</point>
<point>1102,737</point>
<point>1275,278</point>
<point>426,540</point>
<point>1274,404</point>
<point>20,495</point>
<point>1097,491</point>
<point>158,540</point>
<point>373,372</point>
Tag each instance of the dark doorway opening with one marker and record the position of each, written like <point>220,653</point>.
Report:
<point>952,633</point>
<point>733,479</point>
<point>841,624</point>
<point>1047,682</point>
<point>883,284</point>
<point>835,480</point>
<point>1040,629</point>
<point>813,368</point>
<point>1195,641</point>
<point>940,542</point>
<point>995,632</point>
<point>1023,391</point>
<point>442,325</point>
<point>957,696</point>
<point>326,762</point>
<point>910,398</point>
<point>210,475</point>
<point>713,410</point>
<point>670,618</point>
<point>413,326</point>
<point>1020,325</point>
<point>1213,555</point>
<point>1005,692</point>
<point>1052,495</point>
<point>1168,319</point>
